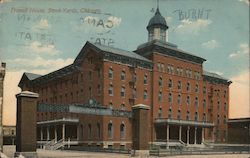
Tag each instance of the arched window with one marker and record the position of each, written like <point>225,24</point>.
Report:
<point>111,90</point>
<point>111,106</point>
<point>160,96</point>
<point>110,130</point>
<point>111,73</point>
<point>188,100</point>
<point>122,131</point>
<point>145,96</point>
<point>170,98</point>
<point>170,113</point>
<point>188,115</point>
<point>98,130</point>
<point>196,116</point>
<point>179,114</point>
<point>123,92</point>
<point>160,113</point>
<point>123,75</point>
<point>179,99</point>
<point>160,81</point>
<point>145,79</point>
<point>89,131</point>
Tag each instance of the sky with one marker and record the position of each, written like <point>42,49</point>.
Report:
<point>43,36</point>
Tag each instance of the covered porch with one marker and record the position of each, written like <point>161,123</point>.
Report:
<point>180,131</point>
<point>58,131</point>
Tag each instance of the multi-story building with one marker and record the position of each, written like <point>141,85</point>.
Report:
<point>91,100</point>
<point>2,74</point>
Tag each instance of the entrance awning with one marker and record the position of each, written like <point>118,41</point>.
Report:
<point>183,122</point>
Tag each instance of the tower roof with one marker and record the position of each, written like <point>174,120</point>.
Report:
<point>157,20</point>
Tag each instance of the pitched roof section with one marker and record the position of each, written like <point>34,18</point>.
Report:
<point>213,77</point>
<point>167,49</point>
<point>31,76</point>
<point>120,52</point>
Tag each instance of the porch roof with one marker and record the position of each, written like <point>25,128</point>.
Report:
<point>59,121</point>
<point>183,122</point>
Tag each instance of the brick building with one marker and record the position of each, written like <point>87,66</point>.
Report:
<point>2,75</point>
<point>91,101</point>
<point>239,130</point>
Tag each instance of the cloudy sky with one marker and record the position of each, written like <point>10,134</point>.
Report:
<point>42,36</point>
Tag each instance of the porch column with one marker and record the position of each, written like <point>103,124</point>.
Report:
<point>180,127</point>
<point>41,133</point>
<point>202,135</point>
<point>167,135</point>
<point>188,135</point>
<point>55,130</point>
<point>63,132</point>
<point>195,133</point>
<point>78,132</point>
<point>48,133</point>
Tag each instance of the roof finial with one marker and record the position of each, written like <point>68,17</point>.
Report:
<point>157,4</point>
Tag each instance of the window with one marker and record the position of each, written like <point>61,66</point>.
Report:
<point>160,81</point>
<point>145,96</point>
<point>158,66</point>
<point>111,73</point>
<point>90,60</point>
<point>196,116</point>
<point>170,83</point>
<point>134,93</point>
<point>188,100</point>
<point>196,103</point>
<point>169,69</point>
<point>225,119</point>
<point>188,115</point>
<point>90,75</point>
<point>110,130</point>
<point>218,105</point>
<point>225,106</point>
<point>123,92</point>
<point>204,89</point>
<point>160,96</point>
<point>204,117</point>
<point>179,99</point>
<point>89,130</point>
<point>90,92</point>
<point>160,113</point>
<point>98,131</point>
<point>99,89</point>
<point>170,113</point>
<point>122,131</point>
<point>179,85</point>
<point>188,87</point>
<point>162,67</point>
<point>145,79</point>
<point>204,103</point>
<point>179,114</point>
<point>123,75</point>
<point>111,89</point>
<point>196,88</point>
<point>172,69</point>
<point>123,107</point>
<point>170,98</point>
<point>218,119</point>
<point>111,106</point>
<point>225,93</point>
<point>99,73</point>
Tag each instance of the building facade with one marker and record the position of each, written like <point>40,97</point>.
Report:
<point>91,101</point>
<point>2,74</point>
